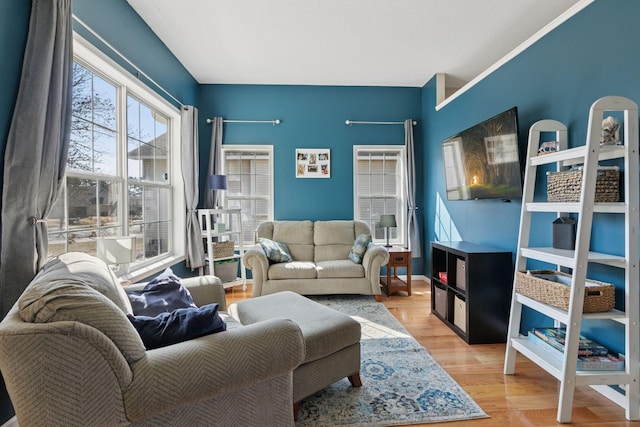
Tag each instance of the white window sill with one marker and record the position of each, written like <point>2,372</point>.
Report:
<point>148,270</point>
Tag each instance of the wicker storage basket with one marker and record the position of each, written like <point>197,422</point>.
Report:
<point>553,288</point>
<point>223,249</point>
<point>565,186</point>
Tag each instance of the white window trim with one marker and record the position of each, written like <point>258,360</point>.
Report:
<point>92,56</point>
<point>402,219</point>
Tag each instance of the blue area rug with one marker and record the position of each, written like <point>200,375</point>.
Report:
<point>401,383</point>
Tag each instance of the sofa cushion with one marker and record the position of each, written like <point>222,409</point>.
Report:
<point>333,233</point>
<point>298,236</point>
<point>293,270</point>
<point>359,248</point>
<point>71,300</point>
<point>180,325</point>
<point>163,294</point>
<point>275,251</point>
<point>333,239</point>
<point>341,268</point>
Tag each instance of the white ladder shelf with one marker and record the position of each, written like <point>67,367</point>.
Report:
<point>577,260</point>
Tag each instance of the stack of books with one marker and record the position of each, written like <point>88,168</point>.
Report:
<point>591,355</point>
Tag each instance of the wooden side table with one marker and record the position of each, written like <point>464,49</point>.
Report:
<point>398,257</point>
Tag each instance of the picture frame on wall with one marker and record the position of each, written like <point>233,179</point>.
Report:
<point>313,163</point>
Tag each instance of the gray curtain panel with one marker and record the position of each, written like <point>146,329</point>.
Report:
<point>37,146</point>
<point>412,217</point>
<point>195,249</point>
<point>215,162</point>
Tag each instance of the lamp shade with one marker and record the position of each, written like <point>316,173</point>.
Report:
<point>217,182</point>
<point>117,250</point>
<point>388,221</point>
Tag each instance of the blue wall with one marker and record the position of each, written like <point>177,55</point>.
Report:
<point>312,117</point>
<point>592,55</point>
<point>122,27</point>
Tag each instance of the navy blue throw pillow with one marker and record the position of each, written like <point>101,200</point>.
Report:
<point>163,294</point>
<point>180,325</point>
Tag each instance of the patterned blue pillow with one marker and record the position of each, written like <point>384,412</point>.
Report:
<point>180,325</point>
<point>359,248</point>
<point>163,294</point>
<point>275,251</point>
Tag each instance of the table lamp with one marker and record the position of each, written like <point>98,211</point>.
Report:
<point>216,183</point>
<point>119,251</point>
<point>388,221</point>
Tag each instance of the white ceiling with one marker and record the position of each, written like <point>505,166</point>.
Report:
<point>344,42</point>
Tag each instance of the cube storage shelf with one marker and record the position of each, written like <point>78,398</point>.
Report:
<point>474,300</point>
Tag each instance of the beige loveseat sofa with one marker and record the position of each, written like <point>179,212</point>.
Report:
<point>320,265</point>
<point>70,357</point>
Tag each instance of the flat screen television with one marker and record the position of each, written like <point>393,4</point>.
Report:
<point>483,162</point>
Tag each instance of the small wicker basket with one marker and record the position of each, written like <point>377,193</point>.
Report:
<point>223,249</point>
<point>565,186</point>
<point>553,288</point>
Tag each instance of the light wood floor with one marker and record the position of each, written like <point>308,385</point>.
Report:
<point>528,398</point>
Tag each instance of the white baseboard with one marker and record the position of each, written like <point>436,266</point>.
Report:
<point>413,277</point>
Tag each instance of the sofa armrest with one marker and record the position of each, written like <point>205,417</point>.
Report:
<point>374,257</point>
<point>206,290</point>
<point>203,289</point>
<point>256,260</point>
<point>211,366</point>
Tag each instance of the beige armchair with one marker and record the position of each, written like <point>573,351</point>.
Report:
<point>70,357</point>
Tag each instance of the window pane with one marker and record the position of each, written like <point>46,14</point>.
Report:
<point>156,239</point>
<point>161,125</point>
<point>147,123</point>
<point>104,103</point>
<point>135,205</point>
<point>108,204</point>
<point>92,146</point>
<point>82,202</point>
<point>147,158</point>
<point>161,165</point>
<point>134,163</point>
<point>133,118</point>
<point>105,151</point>
<point>79,156</point>
<point>149,218</point>
<point>82,93</point>
<point>150,200</point>
<point>164,205</point>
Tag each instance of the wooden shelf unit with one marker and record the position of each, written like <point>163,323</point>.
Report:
<point>232,218</point>
<point>589,155</point>
<point>474,300</point>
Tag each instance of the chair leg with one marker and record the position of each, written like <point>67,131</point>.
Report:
<point>354,379</point>
<point>296,406</point>
<point>378,298</point>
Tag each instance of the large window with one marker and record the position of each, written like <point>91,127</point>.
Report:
<point>379,189</point>
<point>249,171</point>
<point>121,169</point>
